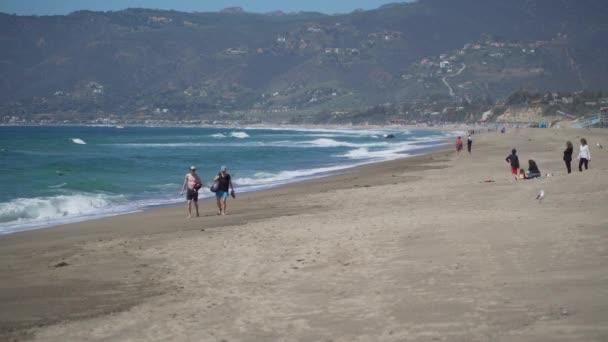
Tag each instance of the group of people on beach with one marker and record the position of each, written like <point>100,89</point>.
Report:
<point>222,186</point>
<point>460,145</point>
<point>584,156</point>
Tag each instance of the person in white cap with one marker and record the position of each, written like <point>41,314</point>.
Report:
<point>224,190</point>
<point>192,183</point>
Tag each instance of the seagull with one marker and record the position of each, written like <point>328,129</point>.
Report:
<point>599,145</point>
<point>540,195</point>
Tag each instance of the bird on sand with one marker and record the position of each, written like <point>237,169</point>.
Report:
<point>540,195</point>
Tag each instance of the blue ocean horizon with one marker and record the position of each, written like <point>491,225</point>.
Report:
<point>51,175</point>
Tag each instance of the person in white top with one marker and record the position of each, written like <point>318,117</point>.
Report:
<point>584,156</point>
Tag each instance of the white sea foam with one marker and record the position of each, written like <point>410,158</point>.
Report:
<point>218,135</point>
<point>25,211</point>
<point>395,151</point>
<point>264,180</point>
<point>240,135</point>
<point>29,213</point>
<point>337,143</point>
<point>78,141</point>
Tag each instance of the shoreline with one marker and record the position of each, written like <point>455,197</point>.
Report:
<point>421,148</point>
<point>406,249</point>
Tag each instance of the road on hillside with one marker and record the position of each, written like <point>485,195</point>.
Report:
<point>445,81</point>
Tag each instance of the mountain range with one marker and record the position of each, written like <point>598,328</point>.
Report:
<point>154,63</point>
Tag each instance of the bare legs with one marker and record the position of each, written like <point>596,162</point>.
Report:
<point>190,208</point>
<point>221,205</point>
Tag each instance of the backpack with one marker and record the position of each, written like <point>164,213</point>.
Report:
<point>215,186</point>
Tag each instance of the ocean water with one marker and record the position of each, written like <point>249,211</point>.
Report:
<point>55,175</point>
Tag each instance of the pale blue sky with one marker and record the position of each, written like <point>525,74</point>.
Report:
<point>50,7</point>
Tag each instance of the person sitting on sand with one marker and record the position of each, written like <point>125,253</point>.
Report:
<point>192,182</point>
<point>514,160</point>
<point>522,174</point>
<point>458,145</point>
<point>533,171</point>
<point>225,189</point>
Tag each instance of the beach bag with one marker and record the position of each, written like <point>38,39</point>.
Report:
<point>215,186</point>
<point>197,186</point>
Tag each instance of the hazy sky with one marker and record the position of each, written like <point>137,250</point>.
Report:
<point>47,7</point>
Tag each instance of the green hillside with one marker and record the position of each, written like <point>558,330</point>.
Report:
<point>142,63</point>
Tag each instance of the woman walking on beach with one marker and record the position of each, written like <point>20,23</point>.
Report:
<point>584,156</point>
<point>224,189</point>
<point>568,155</point>
<point>458,145</point>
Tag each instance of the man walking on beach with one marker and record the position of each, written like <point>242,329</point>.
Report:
<point>192,183</point>
<point>469,143</point>
<point>224,190</point>
<point>514,160</point>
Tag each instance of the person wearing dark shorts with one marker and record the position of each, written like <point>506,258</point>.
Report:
<point>224,190</point>
<point>469,143</point>
<point>192,183</point>
<point>192,195</point>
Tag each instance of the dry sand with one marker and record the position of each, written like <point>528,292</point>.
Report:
<point>421,249</point>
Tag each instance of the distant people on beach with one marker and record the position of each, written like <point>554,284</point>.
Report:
<point>568,156</point>
<point>584,156</point>
<point>192,183</point>
<point>459,145</point>
<point>224,190</point>
<point>533,171</point>
<point>513,159</point>
<point>469,143</point>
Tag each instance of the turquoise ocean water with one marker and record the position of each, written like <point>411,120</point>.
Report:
<point>55,175</point>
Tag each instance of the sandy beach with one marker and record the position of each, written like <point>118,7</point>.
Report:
<point>431,248</point>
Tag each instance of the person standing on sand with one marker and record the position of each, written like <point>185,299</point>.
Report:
<point>192,183</point>
<point>469,143</point>
<point>514,160</point>
<point>458,145</point>
<point>568,155</point>
<point>584,155</point>
<point>224,189</point>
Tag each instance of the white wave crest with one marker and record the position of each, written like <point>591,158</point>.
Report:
<point>265,179</point>
<point>218,135</point>
<point>240,135</point>
<point>336,143</point>
<point>78,141</point>
<point>30,210</point>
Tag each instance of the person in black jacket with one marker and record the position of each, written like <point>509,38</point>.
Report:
<point>568,155</point>
<point>514,160</point>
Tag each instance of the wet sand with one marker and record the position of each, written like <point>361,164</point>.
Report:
<point>419,249</point>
